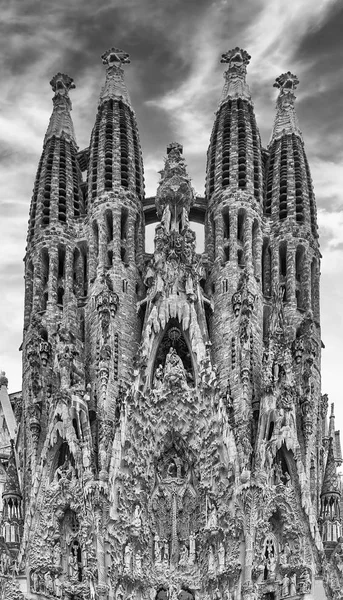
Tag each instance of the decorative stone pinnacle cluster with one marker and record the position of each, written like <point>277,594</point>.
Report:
<point>61,84</point>
<point>114,56</point>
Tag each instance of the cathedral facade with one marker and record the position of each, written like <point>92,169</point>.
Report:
<point>171,441</point>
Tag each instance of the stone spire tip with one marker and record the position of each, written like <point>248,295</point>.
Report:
<point>61,84</point>
<point>115,86</point>
<point>236,58</point>
<point>235,85</point>
<point>115,56</point>
<point>286,83</point>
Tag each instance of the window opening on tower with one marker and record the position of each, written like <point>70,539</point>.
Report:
<point>283,267</point>
<point>62,182</point>
<point>300,277</point>
<point>283,179</point>
<point>266,268</point>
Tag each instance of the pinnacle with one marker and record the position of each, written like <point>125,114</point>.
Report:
<point>115,86</point>
<point>12,482</point>
<point>286,121</point>
<point>235,85</point>
<point>330,482</point>
<point>61,124</point>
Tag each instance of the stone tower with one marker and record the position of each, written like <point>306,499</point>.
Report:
<point>171,441</point>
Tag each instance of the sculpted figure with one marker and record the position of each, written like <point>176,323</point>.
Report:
<point>157,549</point>
<point>285,586</point>
<point>158,377</point>
<point>58,586</point>
<point>211,561</point>
<point>183,560</point>
<point>221,557</point>
<point>306,582</point>
<point>138,562</point>
<point>166,552</point>
<point>49,585</point>
<point>212,521</point>
<point>57,555</point>
<point>192,548</point>
<point>120,592</point>
<point>35,581</point>
<point>293,585</point>
<point>128,556</point>
<point>137,520</point>
<point>174,370</point>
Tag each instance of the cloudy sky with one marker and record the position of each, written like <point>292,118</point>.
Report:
<point>175,81</point>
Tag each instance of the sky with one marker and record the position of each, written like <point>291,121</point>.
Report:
<point>175,81</point>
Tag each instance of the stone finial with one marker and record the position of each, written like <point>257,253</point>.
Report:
<point>236,58</point>
<point>61,84</point>
<point>115,86</point>
<point>113,56</point>
<point>286,121</point>
<point>286,83</point>
<point>235,85</point>
<point>174,146</point>
<point>60,121</point>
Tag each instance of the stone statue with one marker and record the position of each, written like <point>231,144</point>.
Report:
<point>158,377</point>
<point>212,521</point>
<point>157,549</point>
<point>192,548</point>
<point>57,555</point>
<point>138,562</point>
<point>285,586</point>
<point>49,585</point>
<point>293,585</point>
<point>174,371</point>
<point>183,560</point>
<point>211,560</point>
<point>137,519</point>
<point>120,592</point>
<point>306,582</point>
<point>128,556</point>
<point>221,557</point>
<point>58,586</point>
<point>166,552</point>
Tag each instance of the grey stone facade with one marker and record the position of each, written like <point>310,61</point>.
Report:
<point>171,440</point>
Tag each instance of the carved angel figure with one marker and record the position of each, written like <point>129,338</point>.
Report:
<point>137,519</point>
<point>183,560</point>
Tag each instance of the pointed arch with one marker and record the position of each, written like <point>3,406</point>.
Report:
<point>172,335</point>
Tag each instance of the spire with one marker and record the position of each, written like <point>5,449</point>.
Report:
<point>12,487</point>
<point>175,194</point>
<point>286,120</point>
<point>60,124</point>
<point>115,86</point>
<point>235,85</point>
<point>330,481</point>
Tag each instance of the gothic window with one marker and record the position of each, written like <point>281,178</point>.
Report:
<point>29,276</point>
<point>315,289</point>
<point>124,146</point>
<point>61,261</point>
<point>256,152</point>
<point>283,267</point>
<point>270,181</point>
<point>93,171</point>
<point>226,233</point>
<point>266,269</point>
<point>60,296</point>
<point>300,277</point>
<point>76,183</point>
<point>33,210</point>
<point>96,238</point>
<point>123,234</point>
<point>211,165</point>
<point>242,143</point>
<point>44,267</point>
<point>109,225</point>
